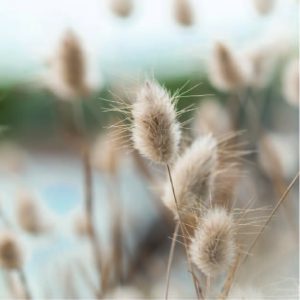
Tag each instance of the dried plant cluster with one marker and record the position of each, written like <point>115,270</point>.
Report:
<point>201,184</point>
<point>198,174</point>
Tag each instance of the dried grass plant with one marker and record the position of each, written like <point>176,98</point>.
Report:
<point>202,172</point>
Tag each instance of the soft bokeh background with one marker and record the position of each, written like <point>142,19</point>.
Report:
<point>36,155</point>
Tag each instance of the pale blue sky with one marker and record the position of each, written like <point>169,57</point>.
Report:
<point>148,40</point>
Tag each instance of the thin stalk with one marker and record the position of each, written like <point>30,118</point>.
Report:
<point>116,228</point>
<point>207,286</point>
<point>230,277</point>
<point>280,201</point>
<point>170,260</point>
<point>79,120</point>
<point>24,281</point>
<point>182,228</point>
<point>256,127</point>
<point>89,208</point>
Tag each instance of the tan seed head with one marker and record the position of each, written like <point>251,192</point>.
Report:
<point>155,130</point>
<point>213,247</point>
<point>10,251</point>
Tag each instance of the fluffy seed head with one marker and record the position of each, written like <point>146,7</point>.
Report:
<point>122,8</point>
<point>277,154</point>
<point>213,248</point>
<point>10,251</point>
<point>155,131</point>
<point>291,82</point>
<point>193,176</point>
<point>28,213</point>
<point>183,12</point>
<point>72,62</point>
<point>68,69</point>
<point>225,71</point>
<point>264,7</point>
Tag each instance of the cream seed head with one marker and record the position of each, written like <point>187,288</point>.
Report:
<point>67,78</point>
<point>193,176</point>
<point>122,8</point>
<point>155,130</point>
<point>226,72</point>
<point>72,62</point>
<point>213,246</point>
<point>183,12</point>
<point>264,7</point>
<point>278,155</point>
<point>10,251</point>
<point>29,213</point>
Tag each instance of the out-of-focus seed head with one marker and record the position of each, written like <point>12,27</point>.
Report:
<point>183,12</point>
<point>277,155</point>
<point>211,117</point>
<point>11,256</point>
<point>68,69</point>
<point>155,130</point>
<point>121,8</point>
<point>264,7</point>
<point>193,176</point>
<point>226,72</point>
<point>29,214</point>
<point>213,246</point>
